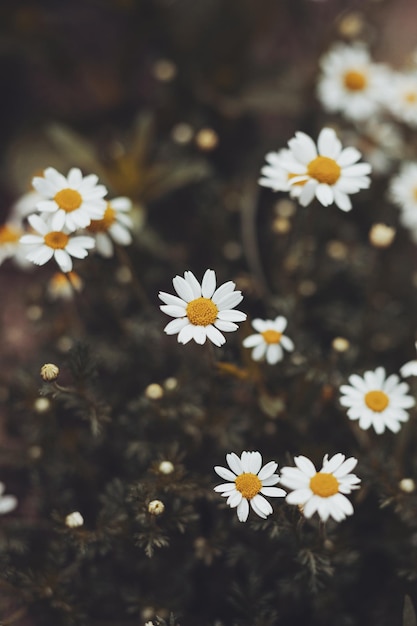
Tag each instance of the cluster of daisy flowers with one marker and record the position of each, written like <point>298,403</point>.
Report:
<point>322,492</point>
<point>67,216</point>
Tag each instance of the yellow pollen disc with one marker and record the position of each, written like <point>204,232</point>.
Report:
<point>324,169</point>
<point>324,485</point>
<point>68,199</point>
<point>355,81</point>
<point>56,240</point>
<point>410,97</point>
<point>103,225</point>
<point>271,336</point>
<point>9,234</point>
<point>202,312</point>
<point>248,485</point>
<point>376,401</point>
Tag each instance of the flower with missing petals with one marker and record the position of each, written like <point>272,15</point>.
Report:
<point>115,225</point>
<point>248,482</point>
<point>351,83</point>
<point>269,342</point>
<point>323,491</point>
<point>376,400</point>
<point>202,311</point>
<point>50,243</point>
<point>73,200</point>
<point>326,171</point>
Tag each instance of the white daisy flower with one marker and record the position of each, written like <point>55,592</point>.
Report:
<point>323,491</point>
<point>403,193</point>
<point>7,503</point>
<point>410,368</point>
<point>401,98</point>
<point>202,311</point>
<point>327,171</point>
<point>115,226</point>
<point>10,247</point>
<point>351,83</point>
<point>50,243</point>
<point>377,401</point>
<point>269,341</point>
<point>73,201</point>
<point>248,482</point>
<point>276,177</point>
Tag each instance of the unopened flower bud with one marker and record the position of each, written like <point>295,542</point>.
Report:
<point>166,467</point>
<point>74,520</point>
<point>156,507</point>
<point>49,372</point>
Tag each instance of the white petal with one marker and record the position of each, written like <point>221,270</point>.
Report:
<point>174,326</point>
<point>230,300</point>
<point>183,288</point>
<point>172,310</point>
<point>252,341</point>
<point>348,157</point>
<point>186,334</point>
<point>342,200</point>
<point>194,284</point>
<point>120,234</point>
<point>324,194</point>
<point>38,224</point>
<point>40,256</point>
<point>167,298</point>
<point>259,351</point>
<point>303,148</point>
<point>225,473</point>
<point>308,192</point>
<point>234,463</point>
<point>274,354</point>
<point>215,335</point>
<point>273,492</point>
<point>208,286</point>
<point>299,496</point>
<point>200,334</point>
<point>328,144</point>
<point>222,291</point>
<point>243,510</point>
<point>262,504</point>
<point>231,315</point>
<point>58,221</point>
<point>226,327</point>
<point>305,465</point>
<point>64,260</point>
<point>267,470</point>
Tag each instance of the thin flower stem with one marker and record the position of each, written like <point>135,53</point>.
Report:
<point>140,293</point>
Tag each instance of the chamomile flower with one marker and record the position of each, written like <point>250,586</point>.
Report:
<point>72,200</point>
<point>248,482</point>
<point>269,342</point>
<point>321,491</point>
<point>202,311</point>
<point>276,177</point>
<point>409,368</point>
<point>403,192</point>
<point>350,82</point>
<point>50,243</point>
<point>115,226</point>
<point>63,286</point>
<point>10,235</point>
<point>401,98</point>
<point>327,171</point>
<point>7,503</point>
<point>376,400</point>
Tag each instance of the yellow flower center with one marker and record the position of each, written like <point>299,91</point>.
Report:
<point>376,401</point>
<point>324,169</point>
<point>9,234</point>
<point>324,485</point>
<point>271,336</point>
<point>56,240</point>
<point>410,97</point>
<point>248,485</point>
<point>103,225</point>
<point>355,81</point>
<point>202,312</point>
<point>68,199</point>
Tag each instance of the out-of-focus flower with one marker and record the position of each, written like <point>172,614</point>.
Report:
<point>409,368</point>
<point>323,491</point>
<point>351,83</point>
<point>115,226</point>
<point>7,503</point>
<point>25,205</point>
<point>202,311</point>
<point>327,171</point>
<point>403,192</point>
<point>376,400</point>
<point>248,483</point>
<point>401,98</point>
<point>49,372</point>
<point>73,201</point>
<point>269,341</point>
<point>62,286</point>
<point>10,235</point>
<point>74,520</point>
<point>50,243</point>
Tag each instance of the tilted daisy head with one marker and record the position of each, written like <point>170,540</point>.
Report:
<point>72,200</point>
<point>321,491</point>
<point>326,171</point>
<point>202,311</point>
<point>376,400</point>
<point>48,243</point>
<point>269,342</point>
<point>115,225</point>
<point>350,82</point>
<point>248,482</point>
